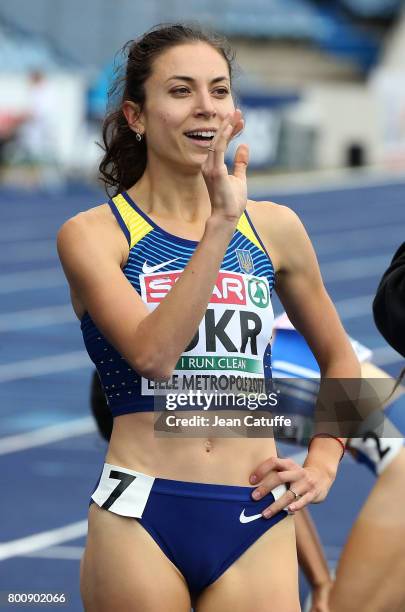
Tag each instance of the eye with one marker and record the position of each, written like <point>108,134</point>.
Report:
<point>221,91</point>
<point>181,91</point>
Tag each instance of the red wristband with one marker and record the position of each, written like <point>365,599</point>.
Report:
<point>327,435</point>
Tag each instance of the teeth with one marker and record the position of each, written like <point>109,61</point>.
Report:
<point>206,134</point>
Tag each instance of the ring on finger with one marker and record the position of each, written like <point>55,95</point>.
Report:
<point>296,495</point>
<point>211,149</point>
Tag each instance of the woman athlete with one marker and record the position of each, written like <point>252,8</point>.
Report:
<point>165,279</point>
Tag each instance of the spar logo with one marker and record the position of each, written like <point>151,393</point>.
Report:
<point>229,287</point>
<point>155,287</point>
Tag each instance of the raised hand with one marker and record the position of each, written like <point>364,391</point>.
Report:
<point>228,192</point>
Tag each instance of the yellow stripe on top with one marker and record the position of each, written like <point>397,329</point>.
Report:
<point>137,226</point>
<point>245,228</point>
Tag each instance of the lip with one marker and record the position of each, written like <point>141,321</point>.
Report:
<point>202,129</point>
<point>204,144</point>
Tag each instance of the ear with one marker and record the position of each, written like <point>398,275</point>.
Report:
<point>133,116</point>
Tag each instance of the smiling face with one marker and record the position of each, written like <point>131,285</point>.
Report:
<point>187,96</point>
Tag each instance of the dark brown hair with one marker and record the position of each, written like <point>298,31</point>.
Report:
<point>124,158</point>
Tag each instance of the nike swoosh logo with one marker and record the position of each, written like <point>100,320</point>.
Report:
<point>149,269</point>
<point>246,519</point>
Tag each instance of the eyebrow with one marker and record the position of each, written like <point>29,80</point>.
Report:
<point>191,80</point>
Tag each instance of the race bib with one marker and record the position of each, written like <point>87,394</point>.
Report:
<point>232,337</point>
<point>123,491</point>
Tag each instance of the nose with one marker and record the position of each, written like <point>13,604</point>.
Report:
<point>205,106</point>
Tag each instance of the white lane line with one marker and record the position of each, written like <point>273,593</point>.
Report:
<point>47,435</point>
<point>73,553</point>
<point>37,317</point>
<point>39,541</point>
<point>354,268</point>
<point>32,250</point>
<point>35,279</point>
<point>29,368</point>
<point>323,181</point>
<point>19,233</point>
<point>357,239</point>
<point>352,308</point>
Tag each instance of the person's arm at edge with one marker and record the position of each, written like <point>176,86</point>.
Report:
<point>311,558</point>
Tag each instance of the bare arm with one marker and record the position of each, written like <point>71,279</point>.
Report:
<point>300,288</point>
<point>312,560</point>
<point>302,292</point>
<point>309,549</point>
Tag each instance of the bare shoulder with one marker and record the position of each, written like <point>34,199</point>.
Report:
<point>276,224</point>
<point>90,236</point>
<point>92,219</point>
<point>95,225</point>
<point>271,213</point>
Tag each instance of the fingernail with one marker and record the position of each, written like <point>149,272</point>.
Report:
<point>253,478</point>
<point>256,494</point>
<point>267,513</point>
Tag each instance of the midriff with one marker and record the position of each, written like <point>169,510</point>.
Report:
<point>228,460</point>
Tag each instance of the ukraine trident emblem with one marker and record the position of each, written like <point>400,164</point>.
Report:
<point>245,261</point>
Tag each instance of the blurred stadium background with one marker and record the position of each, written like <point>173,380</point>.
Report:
<point>322,85</point>
<point>322,82</point>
